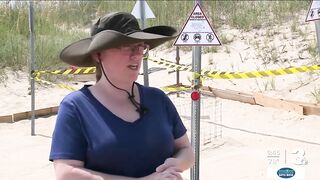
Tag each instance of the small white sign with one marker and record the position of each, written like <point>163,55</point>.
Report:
<point>147,10</point>
<point>314,11</point>
<point>197,31</point>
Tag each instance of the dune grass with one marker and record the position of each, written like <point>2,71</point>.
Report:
<point>58,23</point>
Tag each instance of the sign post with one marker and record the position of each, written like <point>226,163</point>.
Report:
<point>142,11</point>
<point>177,70</point>
<point>196,32</point>
<point>195,110</point>
<point>32,67</point>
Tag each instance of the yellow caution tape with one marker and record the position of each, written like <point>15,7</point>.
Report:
<point>37,78</point>
<point>238,75</point>
<point>171,65</point>
<point>207,73</point>
<point>175,89</point>
<point>181,67</point>
<point>257,74</point>
<point>63,86</point>
<point>72,71</point>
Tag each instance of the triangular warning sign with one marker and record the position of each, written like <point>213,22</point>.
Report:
<point>136,11</point>
<point>197,31</point>
<point>314,11</point>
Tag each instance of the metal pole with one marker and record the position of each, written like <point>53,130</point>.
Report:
<point>177,70</point>
<point>195,113</point>
<point>317,24</point>
<point>145,62</point>
<point>178,62</point>
<point>32,67</point>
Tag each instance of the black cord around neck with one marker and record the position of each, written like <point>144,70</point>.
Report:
<point>140,109</point>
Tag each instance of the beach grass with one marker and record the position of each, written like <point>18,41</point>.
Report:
<point>58,23</point>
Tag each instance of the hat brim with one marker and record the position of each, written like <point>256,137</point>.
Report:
<point>79,52</point>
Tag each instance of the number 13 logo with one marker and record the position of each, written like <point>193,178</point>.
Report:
<point>298,157</point>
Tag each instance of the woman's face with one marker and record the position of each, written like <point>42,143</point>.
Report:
<point>123,64</point>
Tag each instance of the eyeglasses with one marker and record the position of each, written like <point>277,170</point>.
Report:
<point>141,49</point>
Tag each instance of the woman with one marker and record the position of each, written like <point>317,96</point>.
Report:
<point>117,128</point>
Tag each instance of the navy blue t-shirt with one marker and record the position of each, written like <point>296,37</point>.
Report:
<point>86,130</point>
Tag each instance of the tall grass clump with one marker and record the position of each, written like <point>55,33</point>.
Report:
<point>312,48</point>
<point>316,94</point>
<point>49,37</point>
<point>282,11</point>
<point>78,14</point>
<point>13,40</point>
<point>247,15</point>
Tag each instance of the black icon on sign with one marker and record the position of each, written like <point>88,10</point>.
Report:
<point>312,14</point>
<point>184,37</point>
<point>210,37</point>
<point>318,12</point>
<point>197,37</point>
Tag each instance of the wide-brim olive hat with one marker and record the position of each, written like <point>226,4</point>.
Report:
<point>112,31</point>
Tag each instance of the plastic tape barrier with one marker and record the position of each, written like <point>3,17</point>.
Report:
<point>170,65</point>
<point>239,75</point>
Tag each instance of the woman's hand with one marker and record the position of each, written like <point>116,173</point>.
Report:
<point>169,170</point>
<point>169,174</point>
<point>169,163</point>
